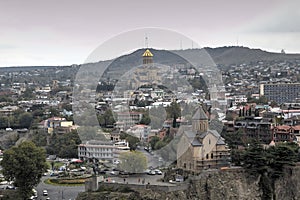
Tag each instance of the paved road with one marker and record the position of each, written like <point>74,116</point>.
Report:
<point>58,192</point>
<point>138,179</point>
<point>67,192</point>
<point>152,159</point>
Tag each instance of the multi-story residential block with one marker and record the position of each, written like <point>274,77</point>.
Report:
<point>96,149</point>
<point>255,128</point>
<point>283,133</point>
<point>281,92</point>
<point>128,119</point>
<point>101,150</point>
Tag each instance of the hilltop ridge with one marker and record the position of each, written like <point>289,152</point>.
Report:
<point>224,56</point>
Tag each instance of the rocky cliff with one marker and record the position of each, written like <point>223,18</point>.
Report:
<point>214,185</point>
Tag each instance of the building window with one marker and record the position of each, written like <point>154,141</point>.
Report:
<point>211,155</point>
<point>206,156</point>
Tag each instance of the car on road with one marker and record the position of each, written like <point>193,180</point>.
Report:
<point>116,162</point>
<point>54,174</point>
<point>34,193</point>
<point>147,171</point>
<point>10,187</point>
<point>172,182</point>
<point>151,172</point>
<point>45,193</point>
<point>179,178</point>
<point>114,173</point>
<point>158,172</point>
<point>123,174</point>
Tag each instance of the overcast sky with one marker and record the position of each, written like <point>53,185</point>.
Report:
<point>64,32</point>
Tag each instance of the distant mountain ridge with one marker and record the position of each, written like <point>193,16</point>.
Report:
<point>222,56</point>
<point>233,55</point>
<point>239,55</point>
<point>228,55</point>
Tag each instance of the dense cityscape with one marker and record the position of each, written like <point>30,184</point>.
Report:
<point>147,131</point>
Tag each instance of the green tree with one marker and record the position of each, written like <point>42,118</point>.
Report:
<point>199,83</point>
<point>255,159</point>
<point>133,162</point>
<point>269,164</point>
<point>132,140</point>
<point>24,165</point>
<point>173,112</point>
<point>4,98</point>
<point>107,119</point>
<point>159,144</point>
<point>153,141</point>
<point>3,122</point>
<point>65,145</point>
<point>28,94</point>
<point>146,118</point>
<point>236,156</point>
<point>25,120</point>
<point>281,156</point>
<point>54,112</point>
<point>39,137</point>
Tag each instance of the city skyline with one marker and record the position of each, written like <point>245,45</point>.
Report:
<point>65,33</point>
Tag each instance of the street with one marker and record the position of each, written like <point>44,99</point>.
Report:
<point>153,160</point>
<point>69,192</point>
<point>58,192</point>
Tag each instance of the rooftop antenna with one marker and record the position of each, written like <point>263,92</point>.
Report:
<point>146,41</point>
<point>237,41</point>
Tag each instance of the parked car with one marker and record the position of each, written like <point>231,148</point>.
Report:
<point>53,174</point>
<point>45,193</point>
<point>179,178</point>
<point>116,162</point>
<point>158,172</point>
<point>124,173</point>
<point>151,172</point>
<point>114,172</point>
<point>34,193</point>
<point>10,187</point>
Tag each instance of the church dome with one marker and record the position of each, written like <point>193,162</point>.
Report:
<point>147,53</point>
